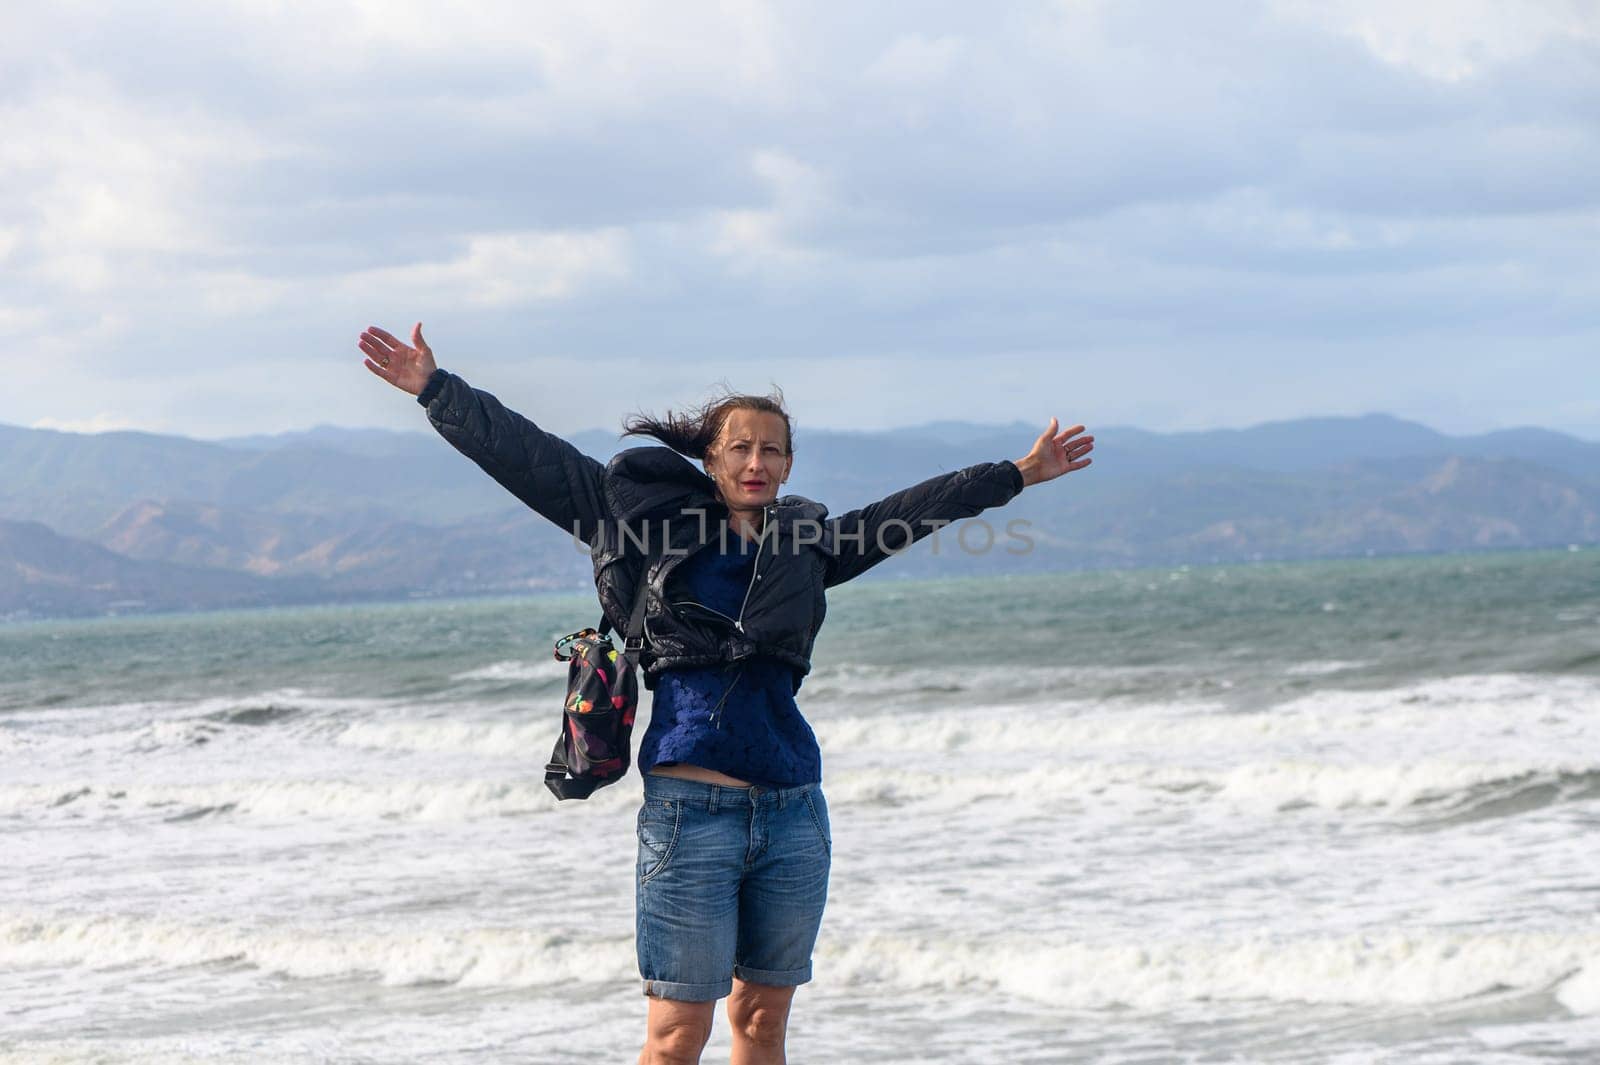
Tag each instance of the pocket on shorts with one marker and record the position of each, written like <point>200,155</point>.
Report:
<point>819,814</point>
<point>659,824</point>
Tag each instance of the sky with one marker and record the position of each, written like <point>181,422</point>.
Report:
<point>1116,212</point>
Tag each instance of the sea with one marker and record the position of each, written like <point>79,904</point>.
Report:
<point>1341,811</point>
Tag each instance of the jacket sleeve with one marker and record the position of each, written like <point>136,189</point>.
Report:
<point>541,469</point>
<point>860,539</point>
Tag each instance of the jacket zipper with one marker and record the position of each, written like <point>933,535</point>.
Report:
<point>755,575</point>
<point>738,622</point>
<point>755,571</point>
<point>707,609</point>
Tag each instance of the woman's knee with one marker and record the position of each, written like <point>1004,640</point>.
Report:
<point>677,1031</point>
<point>759,1013</point>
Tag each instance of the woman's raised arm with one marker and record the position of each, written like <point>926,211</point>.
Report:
<point>862,538</point>
<point>551,476</point>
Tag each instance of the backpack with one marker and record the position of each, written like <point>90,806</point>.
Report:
<point>595,745</point>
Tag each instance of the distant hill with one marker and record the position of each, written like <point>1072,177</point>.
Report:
<point>46,575</point>
<point>127,521</point>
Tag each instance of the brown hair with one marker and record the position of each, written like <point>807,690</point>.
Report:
<point>692,432</point>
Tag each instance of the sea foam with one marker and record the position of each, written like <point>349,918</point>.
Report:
<point>494,957</point>
<point>1384,967</point>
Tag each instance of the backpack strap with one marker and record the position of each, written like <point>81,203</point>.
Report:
<point>633,639</point>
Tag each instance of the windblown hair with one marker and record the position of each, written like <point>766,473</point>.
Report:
<point>692,432</point>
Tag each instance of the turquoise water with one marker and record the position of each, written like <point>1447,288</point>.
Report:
<point>1202,627</point>
<point>1278,812</point>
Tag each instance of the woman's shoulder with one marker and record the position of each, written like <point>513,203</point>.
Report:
<point>655,482</point>
<point>794,508</point>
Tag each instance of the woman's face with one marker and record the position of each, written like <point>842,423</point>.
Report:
<point>750,459</point>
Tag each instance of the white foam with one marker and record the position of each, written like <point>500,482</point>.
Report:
<point>1257,787</point>
<point>1047,728</point>
<point>473,957</point>
<point>517,669</point>
<point>410,800</point>
<point>146,1051</point>
<point>477,737</point>
<point>296,698</point>
<point>1385,967</point>
<point>1581,993</point>
<point>1448,710</point>
<point>857,679</point>
<point>1321,668</point>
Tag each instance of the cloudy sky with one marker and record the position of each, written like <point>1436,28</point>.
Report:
<point>1166,214</point>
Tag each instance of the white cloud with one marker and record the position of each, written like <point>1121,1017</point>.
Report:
<point>566,63</point>
<point>1450,40</point>
<point>914,60</point>
<point>1114,183</point>
<point>508,269</point>
<point>772,240</point>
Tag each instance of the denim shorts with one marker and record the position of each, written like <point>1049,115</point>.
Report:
<point>730,882</point>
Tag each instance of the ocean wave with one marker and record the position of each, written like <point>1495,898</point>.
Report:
<point>517,669</point>
<point>286,701</point>
<point>474,957</point>
<point>1419,789</point>
<point>1384,967</point>
<point>1516,795</point>
<point>408,800</point>
<point>143,1051</point>
<point>147,727</point>
<point>1426,794</point>
<point>1398,967</point>
<point>851,681</point>
<point>1455,708</point>
<point>530,739</point>
<point>257,713</point>
<point>1322,668</point>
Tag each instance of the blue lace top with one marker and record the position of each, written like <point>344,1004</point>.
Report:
<point>757,732</point>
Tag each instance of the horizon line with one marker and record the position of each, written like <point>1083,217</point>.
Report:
<point>889,430</point>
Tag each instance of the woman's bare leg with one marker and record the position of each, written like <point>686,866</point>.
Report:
<point>759,1017</point>
<point>676,1032</point>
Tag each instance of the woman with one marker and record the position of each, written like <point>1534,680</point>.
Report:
<point>734,838</point>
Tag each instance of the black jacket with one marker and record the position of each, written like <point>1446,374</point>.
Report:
<point>653,495</point>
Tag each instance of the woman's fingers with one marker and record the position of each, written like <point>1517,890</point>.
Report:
<point>371,347</point>
<point>381,371</point>
<point>386,336</point>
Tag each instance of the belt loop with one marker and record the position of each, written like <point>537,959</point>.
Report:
<point>715,792</point>
<point>783,798</point>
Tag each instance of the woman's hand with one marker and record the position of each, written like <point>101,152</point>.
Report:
<point>1054,454</point>
<point>406,367</point>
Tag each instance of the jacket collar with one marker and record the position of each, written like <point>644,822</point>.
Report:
<point>645,482</point>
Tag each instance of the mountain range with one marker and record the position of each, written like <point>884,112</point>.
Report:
<point>127,522</point>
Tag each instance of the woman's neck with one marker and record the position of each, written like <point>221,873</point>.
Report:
<point>747,523</point>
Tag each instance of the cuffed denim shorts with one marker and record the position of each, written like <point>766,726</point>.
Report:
<point>730,882</point>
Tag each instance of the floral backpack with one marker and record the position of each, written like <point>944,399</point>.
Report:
<point>595,746</point>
